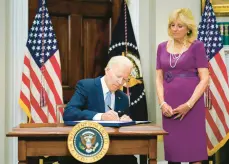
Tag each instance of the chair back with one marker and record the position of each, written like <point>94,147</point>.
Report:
<point>59,112</point>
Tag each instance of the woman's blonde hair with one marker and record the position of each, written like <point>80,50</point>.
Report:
<point>185,16</point>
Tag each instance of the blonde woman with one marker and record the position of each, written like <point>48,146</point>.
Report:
<point>181,79</point>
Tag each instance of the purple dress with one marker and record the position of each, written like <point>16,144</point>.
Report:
<point>186,141</point>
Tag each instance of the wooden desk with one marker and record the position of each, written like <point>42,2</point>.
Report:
<point>52,141</point>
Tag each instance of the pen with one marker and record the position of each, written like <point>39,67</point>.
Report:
<point>120,113</point>
<point>109,107</point>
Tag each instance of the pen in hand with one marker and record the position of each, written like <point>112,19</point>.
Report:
<point>109,107</point>
<point>120,113</point>
<point>113,113</point>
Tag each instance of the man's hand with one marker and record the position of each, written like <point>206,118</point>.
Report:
<point>110,115</point>
<point>125,118</point>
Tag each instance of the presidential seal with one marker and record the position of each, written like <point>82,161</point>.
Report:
<point>88,142</point>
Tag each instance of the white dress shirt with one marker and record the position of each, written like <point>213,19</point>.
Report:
<point>98,116</point>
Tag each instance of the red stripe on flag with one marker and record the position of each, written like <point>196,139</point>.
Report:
<point>52,86</point>
<point>50,108</point>
<point>222,66</point>
<point>25,100</point>
<point>213,126</point>
<point>37,84</point>
<point>38,109</point>
<point>26,80</point>
<point>35,81</point>
<point>219,88</point>
<point>219,113</point>
<point>56,67</point>
<point>27,62</point>
<point>209,144</point>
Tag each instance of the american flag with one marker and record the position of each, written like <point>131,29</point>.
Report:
<point>217,118</point>
<point>41,88</point>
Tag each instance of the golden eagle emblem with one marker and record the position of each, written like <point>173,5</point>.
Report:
<point>88,142</point>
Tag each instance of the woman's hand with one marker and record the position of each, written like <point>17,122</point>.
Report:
<point>181,111</point>
<point>167,110</point>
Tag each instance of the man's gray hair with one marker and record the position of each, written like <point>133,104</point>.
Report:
<point>119,60</point>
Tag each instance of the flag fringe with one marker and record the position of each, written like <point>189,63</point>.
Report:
<point>218,146</point>
<point>25,109</point>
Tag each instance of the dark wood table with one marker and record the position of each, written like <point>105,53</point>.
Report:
<point>51,140</point>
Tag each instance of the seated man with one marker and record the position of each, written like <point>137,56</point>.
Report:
<point>101,99</point>
<point>93,97</point>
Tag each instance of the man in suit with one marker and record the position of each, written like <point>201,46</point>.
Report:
<point>89,99</point>
<point>101,99</point>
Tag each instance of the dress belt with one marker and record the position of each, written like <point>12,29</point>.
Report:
<point>169,76</point>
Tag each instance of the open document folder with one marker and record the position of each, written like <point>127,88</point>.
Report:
<point>108,123</point>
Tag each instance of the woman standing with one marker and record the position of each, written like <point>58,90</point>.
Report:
<point>181,79</point>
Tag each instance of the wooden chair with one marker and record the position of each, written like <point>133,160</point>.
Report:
<point>59,117</point>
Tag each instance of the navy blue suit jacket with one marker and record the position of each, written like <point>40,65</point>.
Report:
<point>88,100</point>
